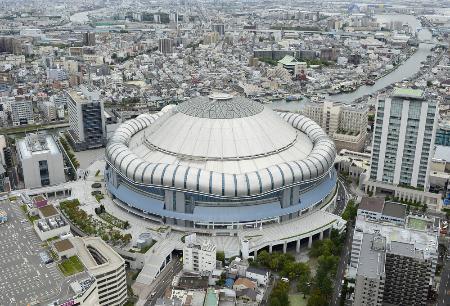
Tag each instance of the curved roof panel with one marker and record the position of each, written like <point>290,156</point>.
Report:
<point>309,154</point>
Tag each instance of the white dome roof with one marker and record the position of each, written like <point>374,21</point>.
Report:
<point>194,136</point>
<point>212,147</point>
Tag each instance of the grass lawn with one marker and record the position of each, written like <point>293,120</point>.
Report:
<point>71,266</point>
<point>417,224</point>
<point>298,300</point>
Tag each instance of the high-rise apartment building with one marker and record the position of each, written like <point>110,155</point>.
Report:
<point>392,265</point>
<point>443,134</point>
<point>219,28</point>
<point>89,39</point>
<point>165,45</point>
<point>405,129</point>
<point>22,111</point>
<point>9,44</point>
<point>87,123</point>
<point>408,275</point>
<point>370,276</point>
<point>346,124</point>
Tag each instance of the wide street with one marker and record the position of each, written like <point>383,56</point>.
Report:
<point>347,248</point>
<point>164,280</point>
<point>444,288</point>
<point>343,197</point>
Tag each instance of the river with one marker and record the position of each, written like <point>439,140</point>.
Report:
<point>407,69</point>
<point>82,17</point>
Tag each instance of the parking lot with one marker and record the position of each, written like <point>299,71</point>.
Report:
<point>24,278</point>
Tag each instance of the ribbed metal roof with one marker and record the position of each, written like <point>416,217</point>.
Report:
<point>220,106</point>
<point>128,153</point>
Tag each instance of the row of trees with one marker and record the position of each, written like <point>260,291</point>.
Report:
<point>320,287</point>
<point>328,253</point>
<point>286,266</point>
<point>350,211</point>
<point>90,226</point>
<point>69,152</point>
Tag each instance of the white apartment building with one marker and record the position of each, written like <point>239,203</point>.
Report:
<point>106,266</point>
<point>199,257</point>
<point>403,141</point>
<point>346,124</point>
<point>21,111</point>
<point>48,109</point>
<point>41,161</point>
<point>403,146</point>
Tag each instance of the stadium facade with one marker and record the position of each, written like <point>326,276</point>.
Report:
<point>221,162</point>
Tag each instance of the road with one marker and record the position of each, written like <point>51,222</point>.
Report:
<point>164,280</point>
<point>343,197</point>
<point>342,265</point>
<point>444,287</point>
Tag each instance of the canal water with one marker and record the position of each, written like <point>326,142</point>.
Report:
<point>407,69</point>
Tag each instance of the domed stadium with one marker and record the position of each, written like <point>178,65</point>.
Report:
<point>220,162</point>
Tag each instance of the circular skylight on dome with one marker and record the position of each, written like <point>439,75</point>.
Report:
<point>220,106</point>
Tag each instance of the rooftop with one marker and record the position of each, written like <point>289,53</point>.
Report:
<point>63,245</point>
<point>374,204</point>
<point>108,255</point>
<point>405,249</point>
<point>220,106</point>
<point>407,93</point>
<point>48,211</point>
<point>245,282</point>
<point>371,260</point>
<point>420,240</point>
<point>396,210</point>
<point>37,144</point>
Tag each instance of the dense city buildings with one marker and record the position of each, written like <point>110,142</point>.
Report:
<point>224,153</point>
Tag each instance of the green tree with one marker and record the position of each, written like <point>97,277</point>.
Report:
<point>220,256</point>
<point>279,295</point>
<point>304,283</point>
<point>350,211</point>
<point>317,298</point>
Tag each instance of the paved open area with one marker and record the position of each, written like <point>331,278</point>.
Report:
<point>24,278</point>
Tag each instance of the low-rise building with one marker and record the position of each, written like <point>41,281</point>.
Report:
<point>244,283</point>
<point>258,274</point>
<point>51,224</point>
<point>199,257</point>
<point>377,209</point>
